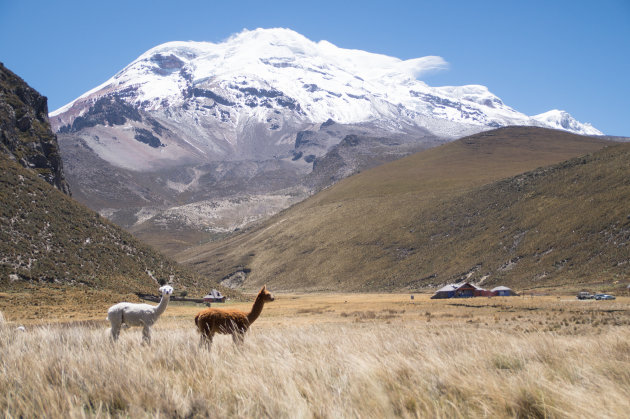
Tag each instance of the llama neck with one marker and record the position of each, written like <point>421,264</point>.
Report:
<point>159,309</point>
<point>256,309</point>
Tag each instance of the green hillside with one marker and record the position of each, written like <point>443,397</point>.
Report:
<point>435,217</point>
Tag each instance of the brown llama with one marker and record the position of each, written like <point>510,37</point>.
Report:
<point>229,321</point>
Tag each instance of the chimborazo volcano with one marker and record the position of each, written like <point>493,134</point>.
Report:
<point>199,139</point>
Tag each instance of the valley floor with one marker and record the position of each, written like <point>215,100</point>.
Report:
<point>332,355</point>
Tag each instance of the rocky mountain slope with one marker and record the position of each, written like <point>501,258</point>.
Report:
<point>266,114</point>
<point>25,134</point>
<point>486,208</point>
<point>46,237</point>
<point>57,256</point>
<point>49,240</point>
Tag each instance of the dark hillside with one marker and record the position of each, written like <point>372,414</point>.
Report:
<point>401,225</point>
<point>46,237</point>
<point>25,134</point>
<point>59,257</point>
<point>54,252</point>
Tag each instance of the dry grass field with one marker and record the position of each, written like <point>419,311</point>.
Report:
<point>331,356</point>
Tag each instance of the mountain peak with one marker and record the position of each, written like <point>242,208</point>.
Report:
<point>279,36</point>
<point>560,119</point>
<point>317,80</point>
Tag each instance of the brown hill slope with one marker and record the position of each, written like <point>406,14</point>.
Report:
<point>54,252</point>
<point>386,228</point>
<point>47,237</point>
<point>58,257</point>
<point>562,226</point>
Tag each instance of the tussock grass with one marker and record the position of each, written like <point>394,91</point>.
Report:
<point>373,368</point>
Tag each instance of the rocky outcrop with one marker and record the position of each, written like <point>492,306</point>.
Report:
<point>105,111</point>
<point>25,134</point>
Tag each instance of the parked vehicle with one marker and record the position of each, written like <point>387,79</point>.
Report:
<point>604,297</point>
<point>585,295</point>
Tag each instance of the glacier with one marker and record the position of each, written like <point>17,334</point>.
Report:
<point>316,81</point>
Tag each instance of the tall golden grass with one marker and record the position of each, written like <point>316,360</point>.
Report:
<point>367,367</point>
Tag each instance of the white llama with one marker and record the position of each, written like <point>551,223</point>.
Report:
<point>133,314</point>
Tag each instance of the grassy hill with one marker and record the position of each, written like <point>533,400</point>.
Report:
<point>55,251</point>
<point>445,214</point>
<point>55,254</point>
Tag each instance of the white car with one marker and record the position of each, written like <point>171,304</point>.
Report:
<point>604,297</point>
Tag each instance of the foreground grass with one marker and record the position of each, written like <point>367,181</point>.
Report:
<point>333,359</point>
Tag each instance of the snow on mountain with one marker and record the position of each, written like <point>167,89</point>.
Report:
<point>194,134</point>
<point>563,120</point>
<point>278,77</point>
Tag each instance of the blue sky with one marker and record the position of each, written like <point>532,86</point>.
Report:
<point>535,55</point>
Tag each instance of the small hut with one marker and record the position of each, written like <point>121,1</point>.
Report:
<point>447,291</point>
<point>481,292</point>
<point>466,290</point>
<point>502,291</point>
<point>461,290</point>
<point>214,297</point>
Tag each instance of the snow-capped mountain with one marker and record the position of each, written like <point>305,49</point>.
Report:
<point>563,120</point>
<point>280,80</point>
<point>257,114</point>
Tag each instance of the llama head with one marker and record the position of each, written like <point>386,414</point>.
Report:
<point>166,290</point>
<point>266,295</point>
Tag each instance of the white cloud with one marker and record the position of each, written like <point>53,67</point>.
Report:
<point>418,67</point>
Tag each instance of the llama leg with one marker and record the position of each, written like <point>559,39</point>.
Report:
<point>206,340</point>
<point>238,337</point>
<point>115,331</point>
<point>115,319</point>
<point>146,334</point>
<point>205,329</point>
